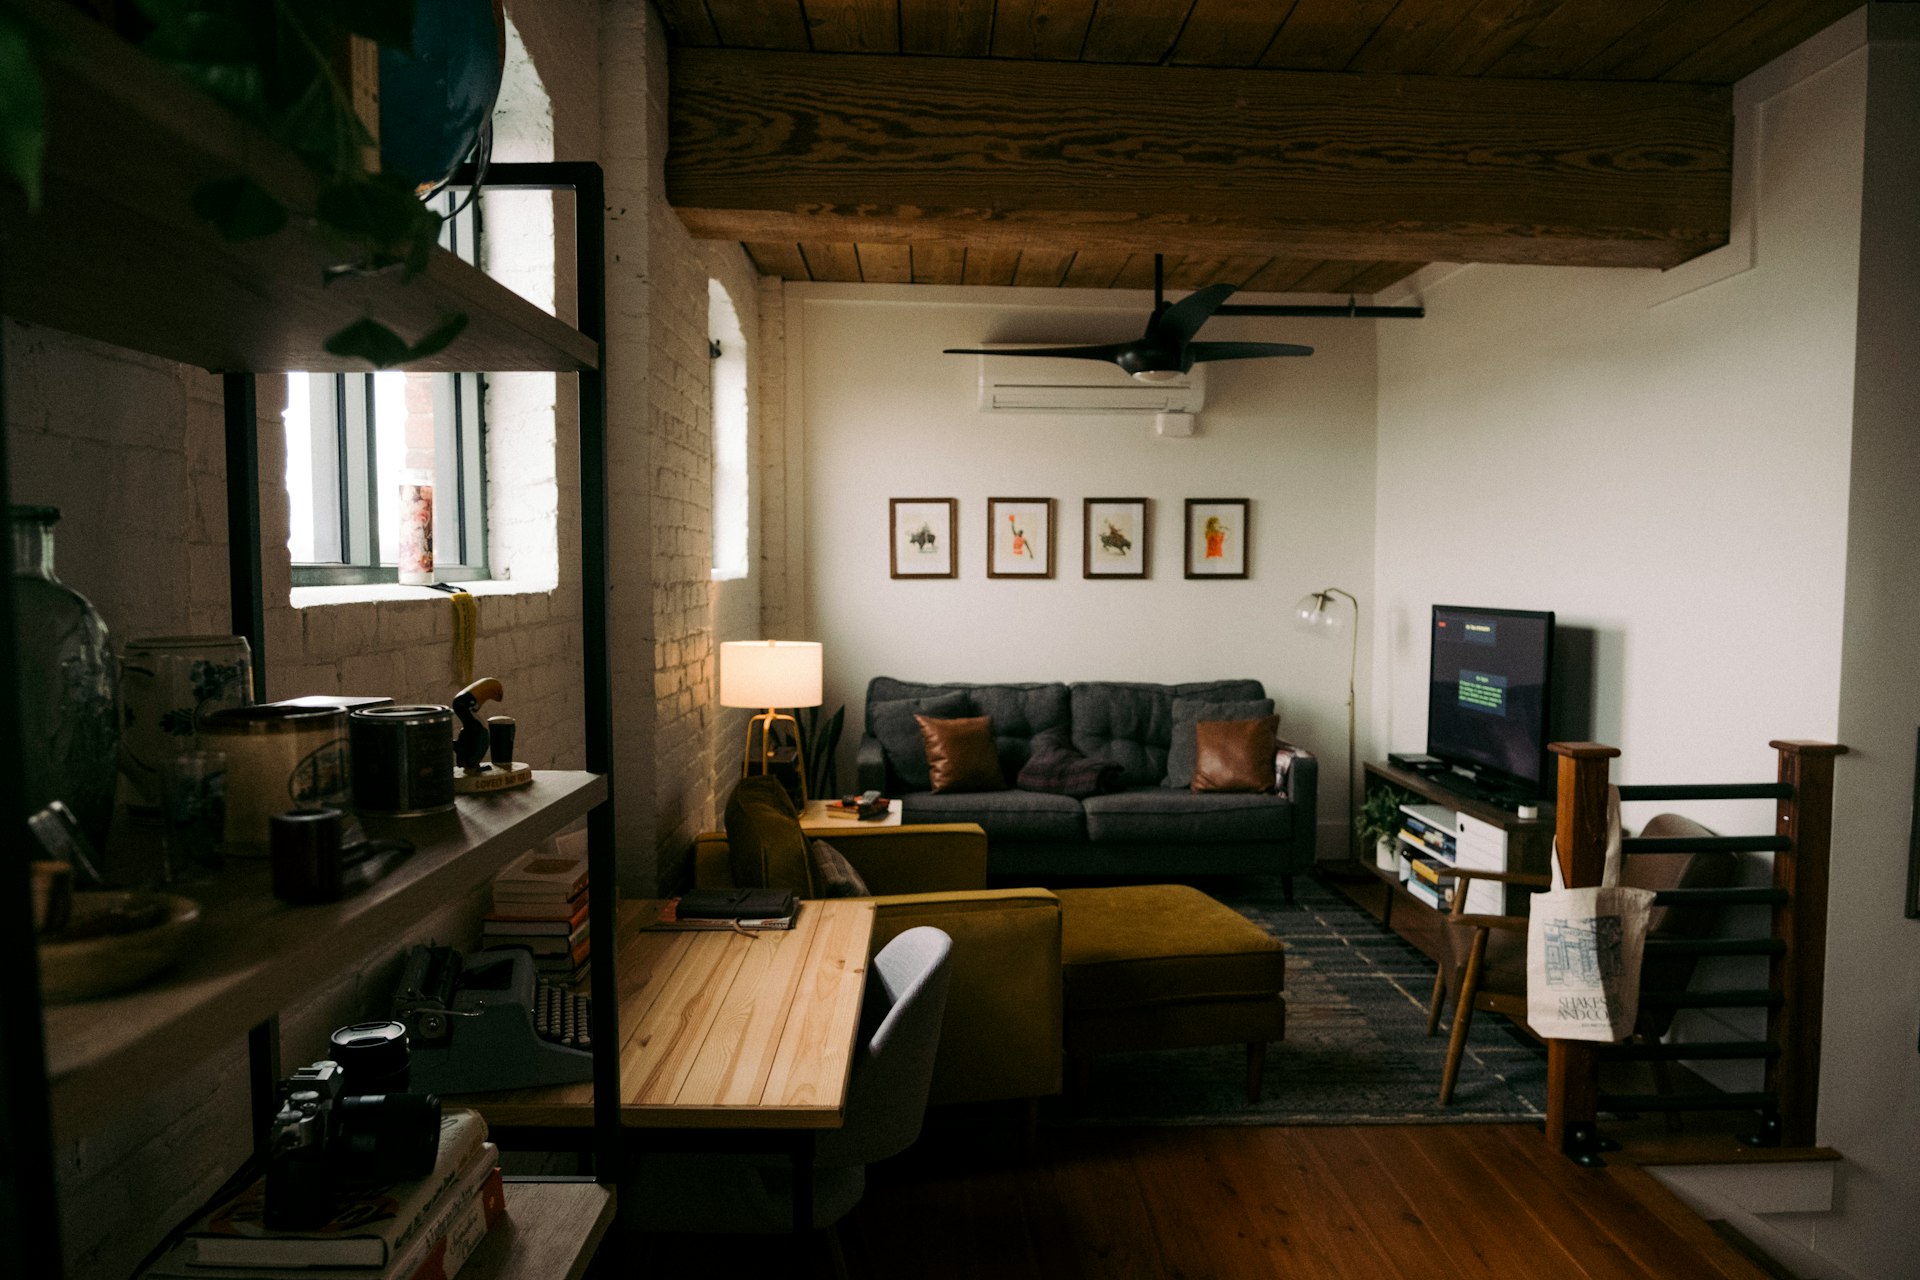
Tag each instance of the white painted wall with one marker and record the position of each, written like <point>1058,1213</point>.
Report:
<point>885,415</point>
<point>1713,470</point>
<point>1870,1075</point>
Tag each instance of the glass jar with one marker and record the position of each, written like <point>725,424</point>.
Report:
<point>66,671</point>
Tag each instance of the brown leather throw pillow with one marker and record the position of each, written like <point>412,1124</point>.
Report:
<point>1234,755</point>
<point>961,755</point>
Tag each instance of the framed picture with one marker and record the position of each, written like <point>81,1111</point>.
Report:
<point>1114,539</point>
<point>1217,537</point>
<point>922,532</point>
<point>1019,537</point>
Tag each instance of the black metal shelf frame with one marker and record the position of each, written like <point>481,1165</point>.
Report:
<point>29,1209</point>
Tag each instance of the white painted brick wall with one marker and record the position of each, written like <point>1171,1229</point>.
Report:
<point>132,447</point>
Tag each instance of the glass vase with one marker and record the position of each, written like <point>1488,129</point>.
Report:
<point>66,672</point>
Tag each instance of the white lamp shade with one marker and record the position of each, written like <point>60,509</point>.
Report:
<point>770,673</point>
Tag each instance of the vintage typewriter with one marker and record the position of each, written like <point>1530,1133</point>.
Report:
<point>487,1021</point>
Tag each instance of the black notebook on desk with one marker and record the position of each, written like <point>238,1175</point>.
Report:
<point>737,904</point>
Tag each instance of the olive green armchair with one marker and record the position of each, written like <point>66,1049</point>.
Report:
<point>1001,1037</point>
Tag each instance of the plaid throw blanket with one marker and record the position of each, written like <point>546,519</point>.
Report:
<point>1065,772</point>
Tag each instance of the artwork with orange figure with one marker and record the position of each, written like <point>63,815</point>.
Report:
<point>1216,538</point>
<point>1020,547</point>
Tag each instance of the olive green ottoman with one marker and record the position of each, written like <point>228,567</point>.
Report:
<point>1163,966</point>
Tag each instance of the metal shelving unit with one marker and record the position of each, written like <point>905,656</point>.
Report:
<point>117,255</point>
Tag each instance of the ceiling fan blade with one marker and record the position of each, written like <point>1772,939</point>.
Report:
<point>1108,352</point>
<point>1179,322</point>
<point>1245,350</point>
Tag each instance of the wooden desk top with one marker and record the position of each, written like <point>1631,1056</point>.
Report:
<point>724,1030</point>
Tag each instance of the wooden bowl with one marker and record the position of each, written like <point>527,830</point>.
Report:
<point>75,966</point>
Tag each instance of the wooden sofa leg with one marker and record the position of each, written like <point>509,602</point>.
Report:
<point>1256,1069</point>
<point>1286,887</point>
<point>1463,1015</point>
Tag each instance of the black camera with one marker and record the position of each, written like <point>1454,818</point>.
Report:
<point>324,1134</point>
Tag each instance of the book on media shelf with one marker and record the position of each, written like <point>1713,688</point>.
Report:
<point>1438,874</point>
<point>541,943</point>
<point>1438,899</point>
<point>543,874</point>
<point>457,1222</point>
<point>536,917</point>
<point>373,1227</point>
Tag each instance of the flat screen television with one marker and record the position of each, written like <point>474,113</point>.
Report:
<point>1487,698</point>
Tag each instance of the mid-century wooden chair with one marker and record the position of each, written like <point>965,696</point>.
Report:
<point>1489,952</point>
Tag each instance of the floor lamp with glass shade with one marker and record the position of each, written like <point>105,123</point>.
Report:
<point>1317,613</point>
<point>770,674</point>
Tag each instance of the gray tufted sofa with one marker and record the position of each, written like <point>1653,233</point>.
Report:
<point>1145,830</point>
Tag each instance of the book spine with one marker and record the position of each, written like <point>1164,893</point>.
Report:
<point>459,1231</point>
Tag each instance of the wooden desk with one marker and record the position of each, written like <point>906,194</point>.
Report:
<point>725,1031</point>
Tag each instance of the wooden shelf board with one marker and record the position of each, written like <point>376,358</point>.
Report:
<point>550,1232</point>
<point>255,954</point>
<point>117,254</point>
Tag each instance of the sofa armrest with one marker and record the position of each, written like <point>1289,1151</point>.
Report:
<point>942,857</point>
<point>1303,789</point>
<point>946,857</point>
<point>870,765</point>
<point>1002,1034</point>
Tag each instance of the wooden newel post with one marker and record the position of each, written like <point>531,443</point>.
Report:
<point>1580,847</point>
<point>1798,972</point>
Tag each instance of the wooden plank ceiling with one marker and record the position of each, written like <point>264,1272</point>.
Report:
<point>819,183</point>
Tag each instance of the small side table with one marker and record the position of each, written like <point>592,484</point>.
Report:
<point>815,822</point>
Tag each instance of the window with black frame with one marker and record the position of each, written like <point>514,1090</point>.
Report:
<point>386,472</point>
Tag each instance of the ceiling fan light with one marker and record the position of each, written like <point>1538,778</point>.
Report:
<point>1156,375</point>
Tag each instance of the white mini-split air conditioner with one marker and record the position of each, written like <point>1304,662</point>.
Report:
<point>1012,384</point>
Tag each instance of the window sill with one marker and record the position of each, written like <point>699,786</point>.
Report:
<point>383,592</point>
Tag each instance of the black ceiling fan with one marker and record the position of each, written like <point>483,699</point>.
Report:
<point>1167,349</point>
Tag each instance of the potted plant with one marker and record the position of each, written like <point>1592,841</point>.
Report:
<point>1379,823</point>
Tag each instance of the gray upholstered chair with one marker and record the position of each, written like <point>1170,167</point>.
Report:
<point>905,1001</point>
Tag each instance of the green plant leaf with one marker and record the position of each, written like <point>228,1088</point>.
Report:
<point>23,108</point>
<point>240,207</point>
<point>367,339</point>
<point>451,326</point>
<point>388,23</point>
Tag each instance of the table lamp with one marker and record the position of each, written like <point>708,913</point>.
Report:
<point>770,674</point>
<point>1315,612</point>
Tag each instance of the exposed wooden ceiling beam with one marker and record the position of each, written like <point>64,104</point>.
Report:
<point>798,147</point>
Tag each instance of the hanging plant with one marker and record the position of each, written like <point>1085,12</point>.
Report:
<point>273,65</point>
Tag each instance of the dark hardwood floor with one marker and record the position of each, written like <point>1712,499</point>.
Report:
<point>1353,1203</point>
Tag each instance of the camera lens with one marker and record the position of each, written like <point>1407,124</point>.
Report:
<point>391,1136</point>
<point>373,1055</point>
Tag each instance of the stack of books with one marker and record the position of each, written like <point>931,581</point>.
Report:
<point>424,1230</point>
<point>540,903</point>
<point>1432,882</point>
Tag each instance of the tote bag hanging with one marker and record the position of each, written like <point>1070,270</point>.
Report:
<point>1584,949</point>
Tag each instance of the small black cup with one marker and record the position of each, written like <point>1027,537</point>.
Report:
<point>306,855</point>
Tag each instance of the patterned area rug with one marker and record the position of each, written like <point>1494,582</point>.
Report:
<point>1356,1050</point>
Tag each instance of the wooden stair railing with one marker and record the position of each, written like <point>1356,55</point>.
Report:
<point>1795,947</point>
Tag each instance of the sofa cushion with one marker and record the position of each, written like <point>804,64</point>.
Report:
<point>894,721</point>
<point>1234,755</point>
<point>960,754</point>
<point>833,875</point>
<point>1132,945</point>
<point>1065,772</point>
<point>1188,713</point>
<point>1155,815</point>
<point>1021,714</point>
<point>1131,724</point>
<point>1005,815</point>
<point>764,842</point>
